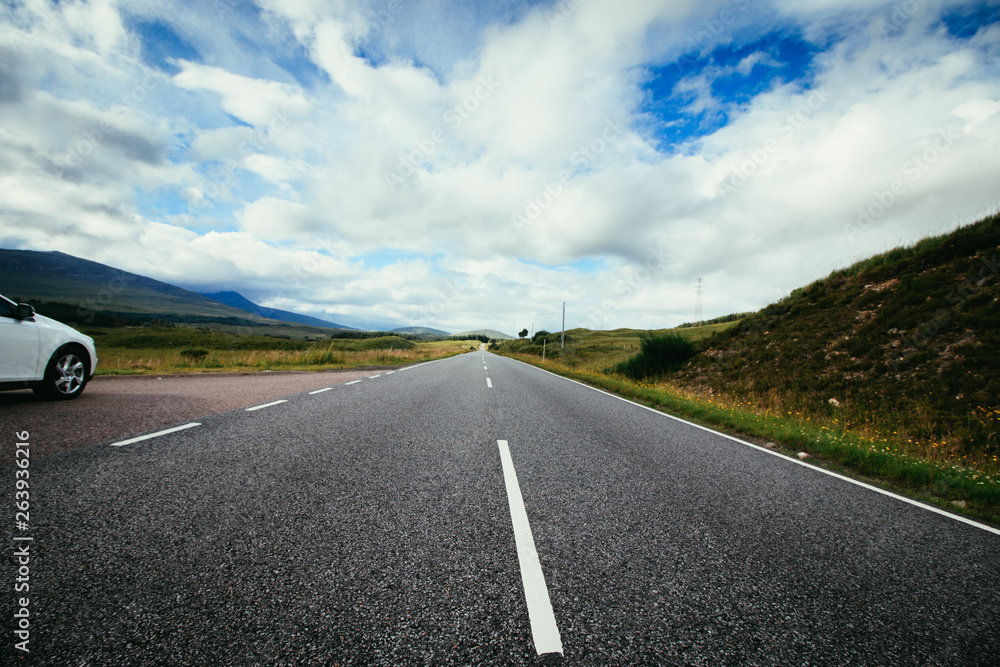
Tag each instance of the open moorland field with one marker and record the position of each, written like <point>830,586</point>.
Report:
<point>886,369</point>
<point>162,350</point>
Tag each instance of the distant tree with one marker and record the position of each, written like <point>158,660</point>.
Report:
<point>523,333</point>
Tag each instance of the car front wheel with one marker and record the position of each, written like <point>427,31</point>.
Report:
<point>65,376</point>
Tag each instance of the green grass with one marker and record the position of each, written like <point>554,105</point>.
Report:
<point>163,350</point>
<point>589,350</point>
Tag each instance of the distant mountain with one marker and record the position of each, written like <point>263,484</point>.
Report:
<point>421,331</point>
<point>237,300</point>
<point>490,333</point>
<point>81,292</point>
<point>58,277</point>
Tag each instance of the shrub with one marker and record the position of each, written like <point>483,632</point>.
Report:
<point>659,353</point>
<point>194,354</point>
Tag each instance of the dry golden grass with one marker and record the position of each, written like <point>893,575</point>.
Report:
<point>127,361</point>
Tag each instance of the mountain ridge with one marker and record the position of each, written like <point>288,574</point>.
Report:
<point>237,300</point>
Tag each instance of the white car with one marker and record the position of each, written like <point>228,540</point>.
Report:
<point>55,360</point>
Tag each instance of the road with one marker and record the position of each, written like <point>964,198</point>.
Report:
<point>374,523</point>
<point>119,406</point>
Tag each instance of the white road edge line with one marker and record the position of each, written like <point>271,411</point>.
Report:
<point>266,405</point>
<point>909,501</point>
<point>544,631</point>
<point>320,391</point>
<point>389,372</point>
<point>155,435</point>
<point>489,383</point>
<point>352,382</point>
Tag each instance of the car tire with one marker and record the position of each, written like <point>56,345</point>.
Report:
<point>65,376</point>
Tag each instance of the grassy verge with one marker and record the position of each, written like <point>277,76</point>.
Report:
<point>167,351</point>
<point>973,491</point>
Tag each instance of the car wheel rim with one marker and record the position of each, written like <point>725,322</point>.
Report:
<point>69,375</point>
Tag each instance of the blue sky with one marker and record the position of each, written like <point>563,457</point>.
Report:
<point>470,164</point>
<point>738,73</point>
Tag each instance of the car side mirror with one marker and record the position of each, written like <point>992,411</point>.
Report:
<point>24,312</point>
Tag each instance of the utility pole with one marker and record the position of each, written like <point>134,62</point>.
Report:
<point>562,345</point>
<point>697,305</point>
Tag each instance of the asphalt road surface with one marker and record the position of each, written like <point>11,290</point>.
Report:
<point>119,406</point>
<point>378,523</point>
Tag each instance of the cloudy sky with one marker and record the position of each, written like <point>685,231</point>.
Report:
<point>464,164</point>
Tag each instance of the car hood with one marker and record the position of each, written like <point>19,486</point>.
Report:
<point>56,326</point>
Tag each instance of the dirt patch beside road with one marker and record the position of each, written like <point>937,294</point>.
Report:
<point>120,407</point>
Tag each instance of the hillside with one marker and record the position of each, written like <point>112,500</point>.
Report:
<point>908,338</point>
<point>489,333</point>
<point>237,300</point>
<point>56,276</point>
<point>421,331</point>
<point>85,293</point>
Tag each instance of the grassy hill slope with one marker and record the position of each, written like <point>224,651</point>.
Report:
<point>906,340</point>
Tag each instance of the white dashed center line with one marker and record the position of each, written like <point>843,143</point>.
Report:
<point>154,435</point>
<point>544,631</point>
<point>266,405</point>
<point>489,383</point>
<point>352,382</point>
<point>320,391</point>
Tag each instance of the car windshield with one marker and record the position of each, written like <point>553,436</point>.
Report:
<point>7,307</point>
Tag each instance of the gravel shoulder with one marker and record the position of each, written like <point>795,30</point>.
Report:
<point>120,407</point>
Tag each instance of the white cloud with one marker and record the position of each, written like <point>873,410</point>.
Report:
<point>352,146</point>
<point>256,101</point>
